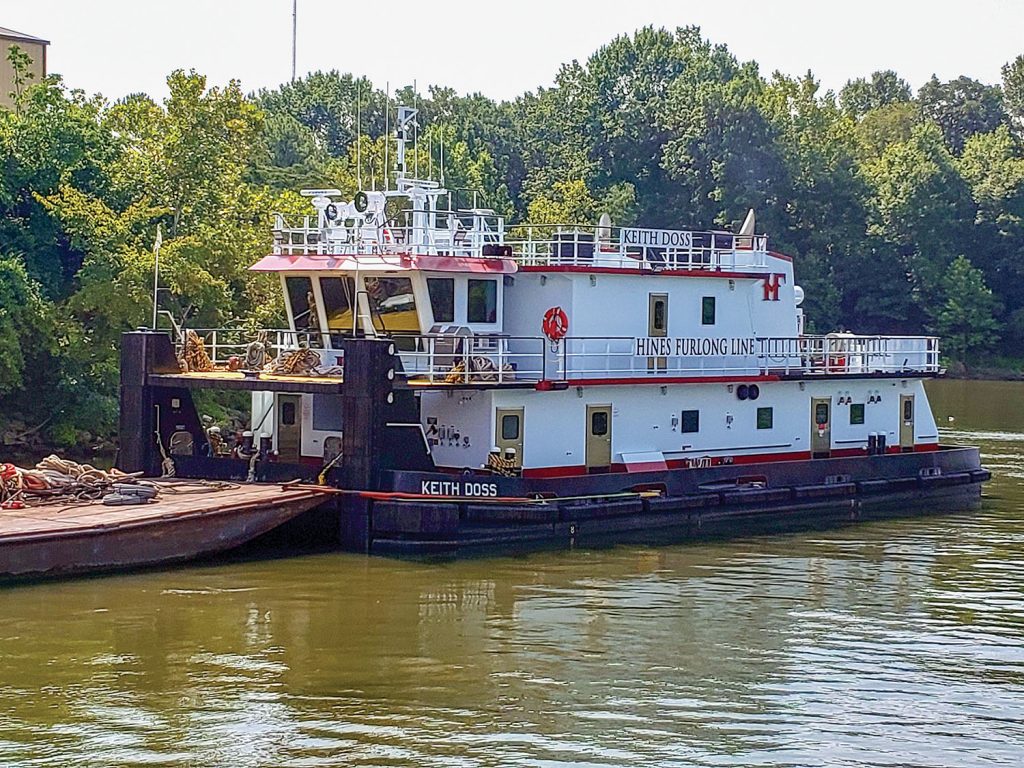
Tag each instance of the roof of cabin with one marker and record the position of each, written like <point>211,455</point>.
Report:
<point>10,34</point>
<point>381,263</point>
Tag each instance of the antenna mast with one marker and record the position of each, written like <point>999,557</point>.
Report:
<point>387,138</point>
<point>359,143</point>
<point>295,26</point>
<point>416,136</point>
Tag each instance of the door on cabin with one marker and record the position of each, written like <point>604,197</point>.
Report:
<point>657,327</point>
<point>599,438</point>
<point>289,427</point>
<point>821,427</point>
<point>906,422</point>
<point>508,432</point>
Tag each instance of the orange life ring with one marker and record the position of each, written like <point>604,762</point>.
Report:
<point>556,324</point>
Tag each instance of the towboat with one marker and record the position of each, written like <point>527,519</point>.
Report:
<point>454,383</point>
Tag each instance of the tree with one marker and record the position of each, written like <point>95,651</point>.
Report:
<point>885,88</point>
<point>966,319</point>
<point>961,108</point>
<point>1013,90</point>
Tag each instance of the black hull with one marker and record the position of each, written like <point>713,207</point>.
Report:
<point>717,501</point>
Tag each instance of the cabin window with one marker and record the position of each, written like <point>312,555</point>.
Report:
<point>765,416</point>
<point>908,409</point>
<point>288,413</point>
<point>690,421</point>
<point>393,304</point>
<point>707,310</point>
<point>599,423</point>
<point>300,297</point>
<point>442,298</point>
<point>339,300</point>
<point>857,413</point>
<point>659,315</point>
<point>510,426</point>
<point>327,413</point>
<point>482,304</point>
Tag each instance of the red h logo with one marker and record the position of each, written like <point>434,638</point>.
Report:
<point>771,286</point>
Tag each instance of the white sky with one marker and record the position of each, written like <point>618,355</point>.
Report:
<point>501,49</point>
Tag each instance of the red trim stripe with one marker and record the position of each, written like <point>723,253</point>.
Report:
<point>671,380</point>
<point>573,269</point>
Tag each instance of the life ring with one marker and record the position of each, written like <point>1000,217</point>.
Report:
<point>362,201</point>
<point>556,324</point>
<point>331,212</point>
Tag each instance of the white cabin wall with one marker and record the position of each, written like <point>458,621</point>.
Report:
<point>468,414</point>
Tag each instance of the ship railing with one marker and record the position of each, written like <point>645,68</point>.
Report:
<point>617,357</point>
<point>221,344</point>
<point>579,245</point>
<point>482,359</point>
<point>843,353</point>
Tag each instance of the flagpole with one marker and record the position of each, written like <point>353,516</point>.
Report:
<point>156,270</point>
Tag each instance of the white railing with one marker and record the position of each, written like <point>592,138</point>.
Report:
<point>495,359</point>
<point>483,236</point>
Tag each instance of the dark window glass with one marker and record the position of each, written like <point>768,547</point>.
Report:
<point>300,297</point>
<point>392,304</point>
<point>482,301</point>
<point>510,427</point>
<point>288,413</point>
<point>442,298</point>
<point>659,315</point>
<point>707,310</point>
<point>857,413</point>
<point>691,421</point>
<point>821,413</point>
<point>908,410</point>
<point>327,413</point>
<point>339,298</point>
<point>764,418</point>
<point>599,423</point>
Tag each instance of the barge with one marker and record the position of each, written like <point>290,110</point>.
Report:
<point>453,384</point>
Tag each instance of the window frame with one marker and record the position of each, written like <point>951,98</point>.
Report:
<point>683,427</point>
<point>433,306</point>
<point>469,301</point>
<point>707,302</point>
<point>860,410</point>
<point>769,411</point>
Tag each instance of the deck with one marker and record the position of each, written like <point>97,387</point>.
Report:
<point>185,521</point>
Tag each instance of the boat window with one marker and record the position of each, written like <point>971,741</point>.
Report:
<point>707,310</point>
<point>821,414</point>
<point>392,304</point>
<point>339,299</point>
<point>599,423</point>
<point>510,426</point>
<point>327,413</point>
<point>288,413</point>
<point>300,297</point>
<point>442,298</point>
<point>857,413</point>
<point>908,409</point>
<point>764,418</point>
<point>690,421</point>
<point>659,321</point>
<point>482,301</point>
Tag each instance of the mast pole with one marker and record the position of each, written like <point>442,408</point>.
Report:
<point>387,136</point>
<point>295,26</point>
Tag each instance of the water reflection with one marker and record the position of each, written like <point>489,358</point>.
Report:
<point>896,642</point>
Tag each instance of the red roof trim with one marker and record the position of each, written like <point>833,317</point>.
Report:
<point>670,380</point>
<point>341,262</point>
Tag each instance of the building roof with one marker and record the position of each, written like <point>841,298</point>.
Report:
<point>10,34</point>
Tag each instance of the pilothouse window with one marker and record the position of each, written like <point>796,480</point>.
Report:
<point>339,299</point>
<point>442,298</point>
<point>482,301</point>
<point>392,304</point>
<point>300,297</point>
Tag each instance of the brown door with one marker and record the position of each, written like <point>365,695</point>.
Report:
<point>599,438</point>
<point>657,327</point>
<point>906,422</point>
<point>289,427</point>
<point>508,432</point>
<point>821,427</point>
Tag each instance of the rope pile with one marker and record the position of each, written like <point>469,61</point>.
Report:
<point>300,362</point>
<point>56,477</point>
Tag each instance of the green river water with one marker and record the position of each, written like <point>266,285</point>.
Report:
<point>894,643</point>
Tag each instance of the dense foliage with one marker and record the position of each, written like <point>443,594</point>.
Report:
<point>904,213</point>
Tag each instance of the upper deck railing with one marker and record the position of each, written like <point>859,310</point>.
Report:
<point>477,234</point>
<point>499,360</point>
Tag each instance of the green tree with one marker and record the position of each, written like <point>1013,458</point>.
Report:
<point>1013,90</point>
<point>961,108</point>
<point>885,88</point>
<point>966,318</point>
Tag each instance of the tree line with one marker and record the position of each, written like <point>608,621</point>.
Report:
<point>904,212</point>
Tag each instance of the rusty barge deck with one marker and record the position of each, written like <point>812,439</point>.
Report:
<point>184,522</point>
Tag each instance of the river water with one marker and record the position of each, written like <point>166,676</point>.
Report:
<point>895,643</point>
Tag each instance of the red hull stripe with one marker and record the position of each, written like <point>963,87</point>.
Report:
<point>670,380</point>
<point>749,458</point>
<point>573,269</point>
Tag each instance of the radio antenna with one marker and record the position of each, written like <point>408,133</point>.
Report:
<point>416,135</point>
<point>295,28</point>
<point>387,137</point>
<point>359,143</point>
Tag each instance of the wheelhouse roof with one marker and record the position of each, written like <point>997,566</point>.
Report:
<point>382,263</point>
